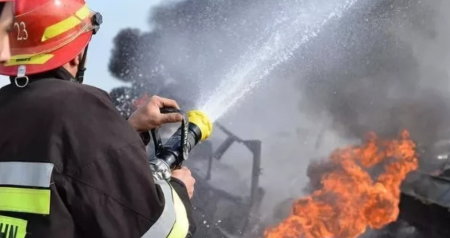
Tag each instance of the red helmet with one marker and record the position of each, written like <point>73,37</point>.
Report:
<point>48,33</point>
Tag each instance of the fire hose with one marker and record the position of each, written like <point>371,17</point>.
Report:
<point>195,127</point>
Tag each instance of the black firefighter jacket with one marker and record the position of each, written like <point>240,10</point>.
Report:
<point>71,166</point>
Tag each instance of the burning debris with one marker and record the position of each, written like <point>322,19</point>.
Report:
<point>350,199</point>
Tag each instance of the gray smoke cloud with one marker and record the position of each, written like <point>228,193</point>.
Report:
<point>391,73</point>
<point>383,67</point>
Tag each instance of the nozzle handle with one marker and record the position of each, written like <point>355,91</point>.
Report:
<point>184,124</point>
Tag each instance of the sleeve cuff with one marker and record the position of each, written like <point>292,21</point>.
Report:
<point>181,190</point>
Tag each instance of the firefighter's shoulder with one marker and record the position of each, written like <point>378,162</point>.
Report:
<point>64,93</point>
<point>85,120</point>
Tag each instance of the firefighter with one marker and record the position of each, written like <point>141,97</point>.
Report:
<point>70,165</point>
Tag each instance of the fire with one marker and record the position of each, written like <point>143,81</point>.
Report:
<point>349,199</point>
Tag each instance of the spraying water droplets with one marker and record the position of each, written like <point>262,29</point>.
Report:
<point>276,45</point>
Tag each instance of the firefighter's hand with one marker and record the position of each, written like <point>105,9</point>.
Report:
<point>185,176</point>
<point>148,115</point>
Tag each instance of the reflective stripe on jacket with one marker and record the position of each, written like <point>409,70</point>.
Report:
<point>24,188</point>
<point>173,222</point>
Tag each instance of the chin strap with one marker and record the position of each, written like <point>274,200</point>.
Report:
<point>96,20</point>
<point>81,67</point>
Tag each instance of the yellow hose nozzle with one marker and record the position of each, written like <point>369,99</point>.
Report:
<point>202,121</point>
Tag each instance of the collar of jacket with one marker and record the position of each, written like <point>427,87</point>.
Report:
<point>58,73</point>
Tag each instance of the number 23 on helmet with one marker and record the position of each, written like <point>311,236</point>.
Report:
<point>48,33</point>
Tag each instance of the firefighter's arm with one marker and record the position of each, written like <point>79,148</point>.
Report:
<point>116,197</point>
<point>112,193</point>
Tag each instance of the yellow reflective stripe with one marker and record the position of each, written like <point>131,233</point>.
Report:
<point>12,227</point>
<point>28,59</point>
<point>25,200</point>
<point>181,227</point>
<point>66,24</point>
<point>60,27</point>
<point>83,13</point>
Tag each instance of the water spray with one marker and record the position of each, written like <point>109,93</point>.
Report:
<point>277,45</point>
<point>195,127</point>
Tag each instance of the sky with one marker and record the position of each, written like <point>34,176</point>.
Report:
<point>132,13</point>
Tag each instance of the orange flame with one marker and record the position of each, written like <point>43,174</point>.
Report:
<point>349,200</point>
